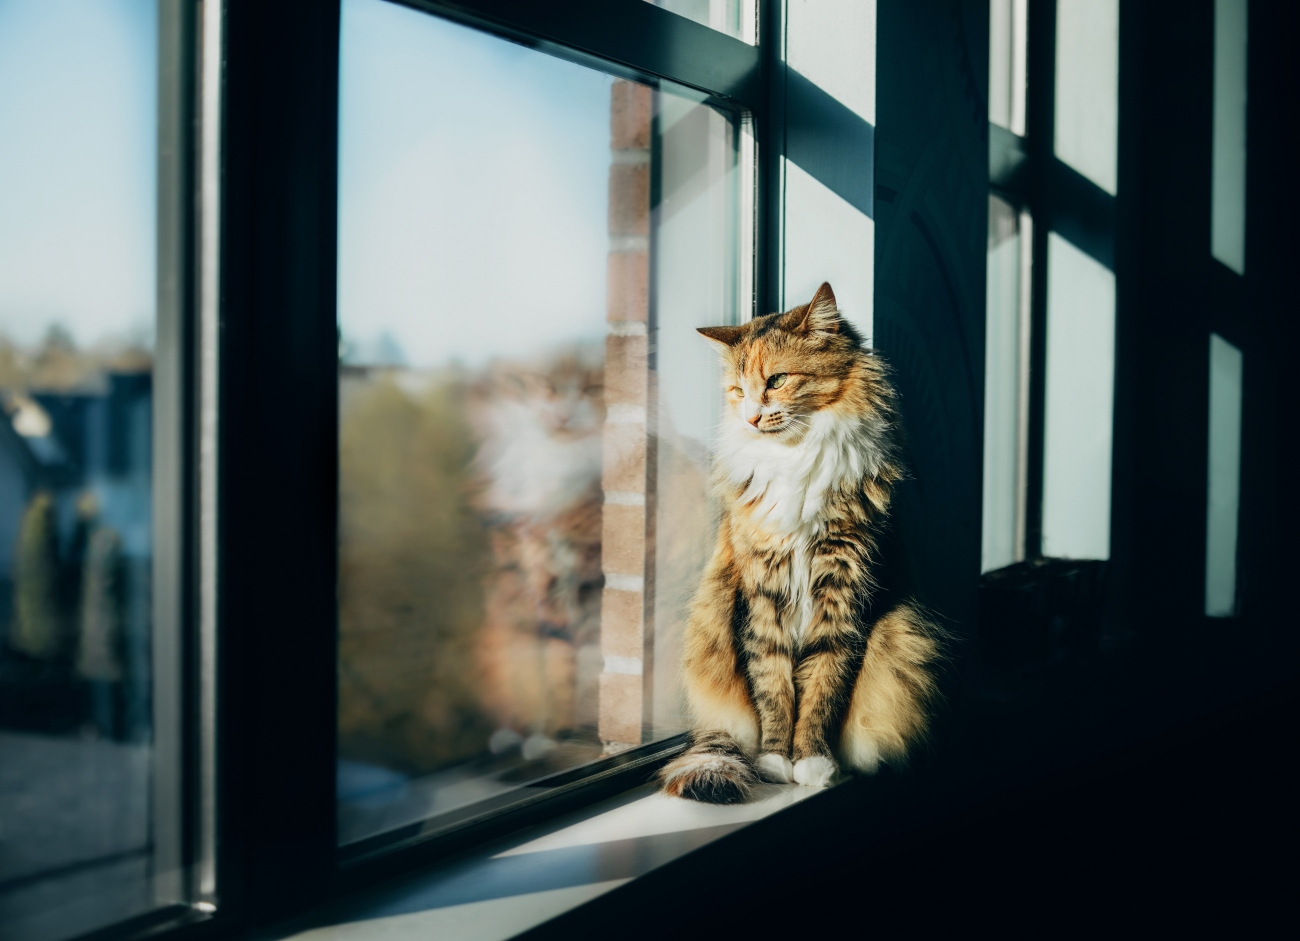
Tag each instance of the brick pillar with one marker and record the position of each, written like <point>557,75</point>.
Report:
<point>623,635</point>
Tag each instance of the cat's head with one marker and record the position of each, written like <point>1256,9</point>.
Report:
<point>781,369</point>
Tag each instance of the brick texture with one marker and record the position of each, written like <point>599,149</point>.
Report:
<point>629,116</point>
<point>623,540</point>
<point>624,473</point>
<point>621,629</point>
<point>625,370</point>
<point>627,296</point>
<point>629,199</point>
<point>620,708</point>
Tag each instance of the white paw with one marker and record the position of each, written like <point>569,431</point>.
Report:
<point>817,771</point>
<point>776,768</point>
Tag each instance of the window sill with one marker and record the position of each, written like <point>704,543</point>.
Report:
<point>531,877</point>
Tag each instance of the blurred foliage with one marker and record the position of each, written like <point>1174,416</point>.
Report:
<point>38,628</point>
<point>413,556</point>
<point>57,364</point>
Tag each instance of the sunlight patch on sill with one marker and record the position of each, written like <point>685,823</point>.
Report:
<point>656,814</point>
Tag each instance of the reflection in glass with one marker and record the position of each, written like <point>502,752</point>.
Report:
<point>525,410</point>
<point>1228,182</point>
<point>736,18</point>
<point>1224,473</point>
<point>78,839</point>
<point>1006,386</point>
<point>1087,88</point>
<point>1080,395</point>
<point>1008,39</point>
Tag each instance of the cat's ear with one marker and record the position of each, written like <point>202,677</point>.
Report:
<point>821,315</point>
<point>724,336</point>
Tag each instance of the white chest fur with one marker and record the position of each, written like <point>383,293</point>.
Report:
<point>787,485</point>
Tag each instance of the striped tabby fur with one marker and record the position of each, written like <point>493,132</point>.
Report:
<point>715,769</point>
<point>804,649</point>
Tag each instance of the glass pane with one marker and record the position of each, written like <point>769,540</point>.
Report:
<point>1080,400</point>
<point>79,834</point>
<point>526,246</point>
<point>829,234</point>
<point>828,239</point>
<point>1087,88</point>
<point>1224,493</point>
<point>736,18</point>
<point>1008,22</point>
<point>1228,185</point>
<point>1006,386</point>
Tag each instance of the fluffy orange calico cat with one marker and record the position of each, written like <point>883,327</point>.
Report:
<point>803,648</point>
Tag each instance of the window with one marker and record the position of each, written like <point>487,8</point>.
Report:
<point>1006,394</point>
<point>394,334</point>
<point>1223,495</point>
<point>828,231</point>
<point>1087,88</point>
<point>525,409</point>
<point>1079,401</point>
<point>1008,24</point>
<point>91,795</point>
<point>1050,329</point>
<point>735,18</point>
<point>1228,180</point>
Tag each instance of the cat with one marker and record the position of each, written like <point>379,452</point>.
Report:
<point>539,462</point>
<point>804,648</point>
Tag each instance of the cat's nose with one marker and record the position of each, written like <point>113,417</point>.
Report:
<point>755,418</point>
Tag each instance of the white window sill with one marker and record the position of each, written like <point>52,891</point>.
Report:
<point>532,877</point>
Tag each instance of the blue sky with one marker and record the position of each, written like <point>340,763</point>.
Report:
<point>473,182</point>
<point>77,168</point>
<point>473,191</point>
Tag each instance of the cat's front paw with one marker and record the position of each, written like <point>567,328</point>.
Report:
<point>815,771</point>
<point>775,768</point>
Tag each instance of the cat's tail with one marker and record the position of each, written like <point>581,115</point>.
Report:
<point>714,769</point>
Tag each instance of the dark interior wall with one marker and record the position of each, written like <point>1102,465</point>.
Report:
<point>1165,310</point>
<point>1172,295</point>
<point>1273,297</point>
<point>931,231</point>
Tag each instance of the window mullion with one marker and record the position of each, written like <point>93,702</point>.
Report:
<point>648,42</point>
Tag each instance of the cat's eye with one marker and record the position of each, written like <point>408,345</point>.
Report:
<point>775,382</point>
<point>738,390</point>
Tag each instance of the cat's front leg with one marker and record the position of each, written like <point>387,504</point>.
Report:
<point>715,684</point>
<point>822,680</point>
<point>770,670</point>
<point>824,672</point>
